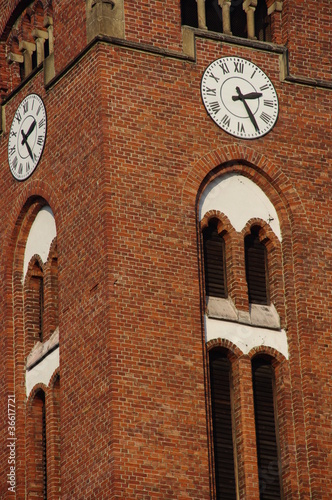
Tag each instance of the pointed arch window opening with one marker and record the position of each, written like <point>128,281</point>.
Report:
<point>222,422</point>
<point>256,269</point>
<point>268,453</point>
<point>214,261</point>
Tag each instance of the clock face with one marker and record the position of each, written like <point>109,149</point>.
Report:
<point>27,137</point>
<point>239,97</point>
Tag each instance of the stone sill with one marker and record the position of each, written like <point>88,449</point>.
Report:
<point>259,315</point>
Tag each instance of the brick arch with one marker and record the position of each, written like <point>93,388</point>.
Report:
<point>35,258</point>
<point>51,291</point>
<point>245,161</point>
<point>53,250</point>
<point>224,225</point>
<point>265,232</point>
<point>33,302</point>
<point>33,196</point>
<point>53,379</point>
<point>226,344</point>
<point>277,358</point>
<point>38,387</point>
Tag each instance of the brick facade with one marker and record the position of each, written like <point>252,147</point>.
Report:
<point>130,154</point>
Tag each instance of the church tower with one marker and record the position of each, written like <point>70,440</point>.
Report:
<point>165,222</point>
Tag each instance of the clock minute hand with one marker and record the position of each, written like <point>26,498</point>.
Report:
<point>251,116</point>
<point>251,95</point>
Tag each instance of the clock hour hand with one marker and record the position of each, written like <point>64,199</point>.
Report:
<point>25,141</point>
<point>251,116</point>
<point>30,130</point>
<point>251,95</point>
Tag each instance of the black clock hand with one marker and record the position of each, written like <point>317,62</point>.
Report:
<point>251,116</point>
<point>31,128</point>
<point>251,95</point>
<point>25,141</point>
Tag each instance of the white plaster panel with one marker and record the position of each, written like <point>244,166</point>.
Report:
<point>246,337</point>
<point>43,371</point>
<point>240,200</point>
<point>42,233</point>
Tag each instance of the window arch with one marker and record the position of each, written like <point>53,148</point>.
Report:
<point>266,428</point>
<point>214,261</point>
<point>222,422</point>
<point>32,30</point>
<point>34,302</point>
<point>256,268</point>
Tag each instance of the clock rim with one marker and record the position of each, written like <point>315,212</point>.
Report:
<point>220,126</point>
<point>44,142</point>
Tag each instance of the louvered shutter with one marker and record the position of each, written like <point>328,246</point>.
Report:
<point>44,464</point>
<point>267,449</point>
<point>214,262</point>
<point>256,270</point>
<point>222,425</point>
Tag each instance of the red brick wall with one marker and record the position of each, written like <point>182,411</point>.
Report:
<point>129,149</point>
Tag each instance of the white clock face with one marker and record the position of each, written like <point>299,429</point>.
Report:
<point>27,137</point>
<point>239,97</point>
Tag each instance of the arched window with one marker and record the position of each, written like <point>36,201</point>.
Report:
<point>266,429</point>
<point>34,310</point>
<point>220,385</point>
<point>37,466</point>
<point>214,261</point>
<point>256,268</point>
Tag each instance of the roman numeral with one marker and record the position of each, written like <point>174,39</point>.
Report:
<point>226,120</point>
<point>27,167</point>
<point>215,106</point>
<point>252,76</point>
<point>20,168</point>
<point>238,67</point>
<point>214,77</point>
<point>265,117</point>
<point>240,127</point>
<point>12,150</point>
<point>26,107</point>
<point>38,110</point>
<point>212,92</point>
<point>40,140</point>
<point>13,134</point>
<point>268,103</point>
<point>224,68</point>
<point>18,117</point>
<point>41,123</point>
<point>264,87</point>
<point>34,157</point>
<point>15,161</point>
